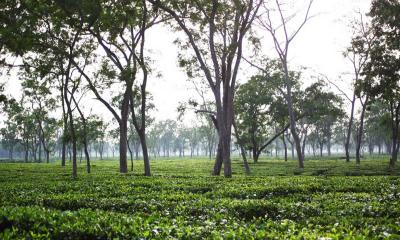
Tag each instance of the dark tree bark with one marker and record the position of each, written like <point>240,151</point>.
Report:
<point>360,132</point>
<point>394,111</point>
<point>130,154</point>
<point>348,135</point>
<point>328,144</point>
<point>123,131</point>
<point>285,147</point>
<point>65,125</point>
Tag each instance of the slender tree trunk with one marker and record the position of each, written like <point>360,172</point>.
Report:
<point>40,150</point>
<point>321,148</point>
<point>393,158</point>
<point>131,155</point>
<point>347,143</point>
<point>328,145</point>
<point>292,117</point>
<point>72,133</point>
<point>136,151</point>
<point>101,150</point>
<point>10,152</point>
<point>285,147</point>
<point>26,152</point>
<point>360,133</point>
<point>303,147</point>
<point>65,130</point>
<point>85,143</point>
<point>395,134</point>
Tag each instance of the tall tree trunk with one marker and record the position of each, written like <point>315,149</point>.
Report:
<point>303,147</point>
<point>360,133</point>
<point>130,154</point>
<point>292,117</point>
<point>328,145</point>
<point>101,150</point>
<point>321,148</point>
<point>10,152</point>
<point>285,147</point>
<point>65,129</point>
<point>348,135</point>
<point>26,151</point>
<point>123,131</point>
<point>72,131</point>
<point>40,149</point>
<point>136,151</point>
<point>85,143</point>
<point>395,110</point>
<point>146,159</point>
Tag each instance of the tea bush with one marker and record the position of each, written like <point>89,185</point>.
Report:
<point>182,201</point>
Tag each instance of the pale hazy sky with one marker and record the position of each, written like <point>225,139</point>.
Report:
<point>319,46</point>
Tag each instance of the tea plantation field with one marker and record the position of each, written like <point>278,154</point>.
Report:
<point>330,199</point>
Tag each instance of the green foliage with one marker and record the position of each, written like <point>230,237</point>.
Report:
<point>260,106</point>
<point>384,66</point>
<point>42,202</point>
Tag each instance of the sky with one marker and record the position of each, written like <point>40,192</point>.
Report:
<point>319,47</point>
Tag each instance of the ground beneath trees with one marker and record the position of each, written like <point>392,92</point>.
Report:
<point>330,199</point>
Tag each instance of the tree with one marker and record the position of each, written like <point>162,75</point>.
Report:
<point>358,54</point>
<point>217,54</point>
<point>382,73</point>
<point>377,125</point>
<point>119,30</point>
<point>282,49</point>
<point>168,135</point>
<point>322,110</point>
<point>258,112</point>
